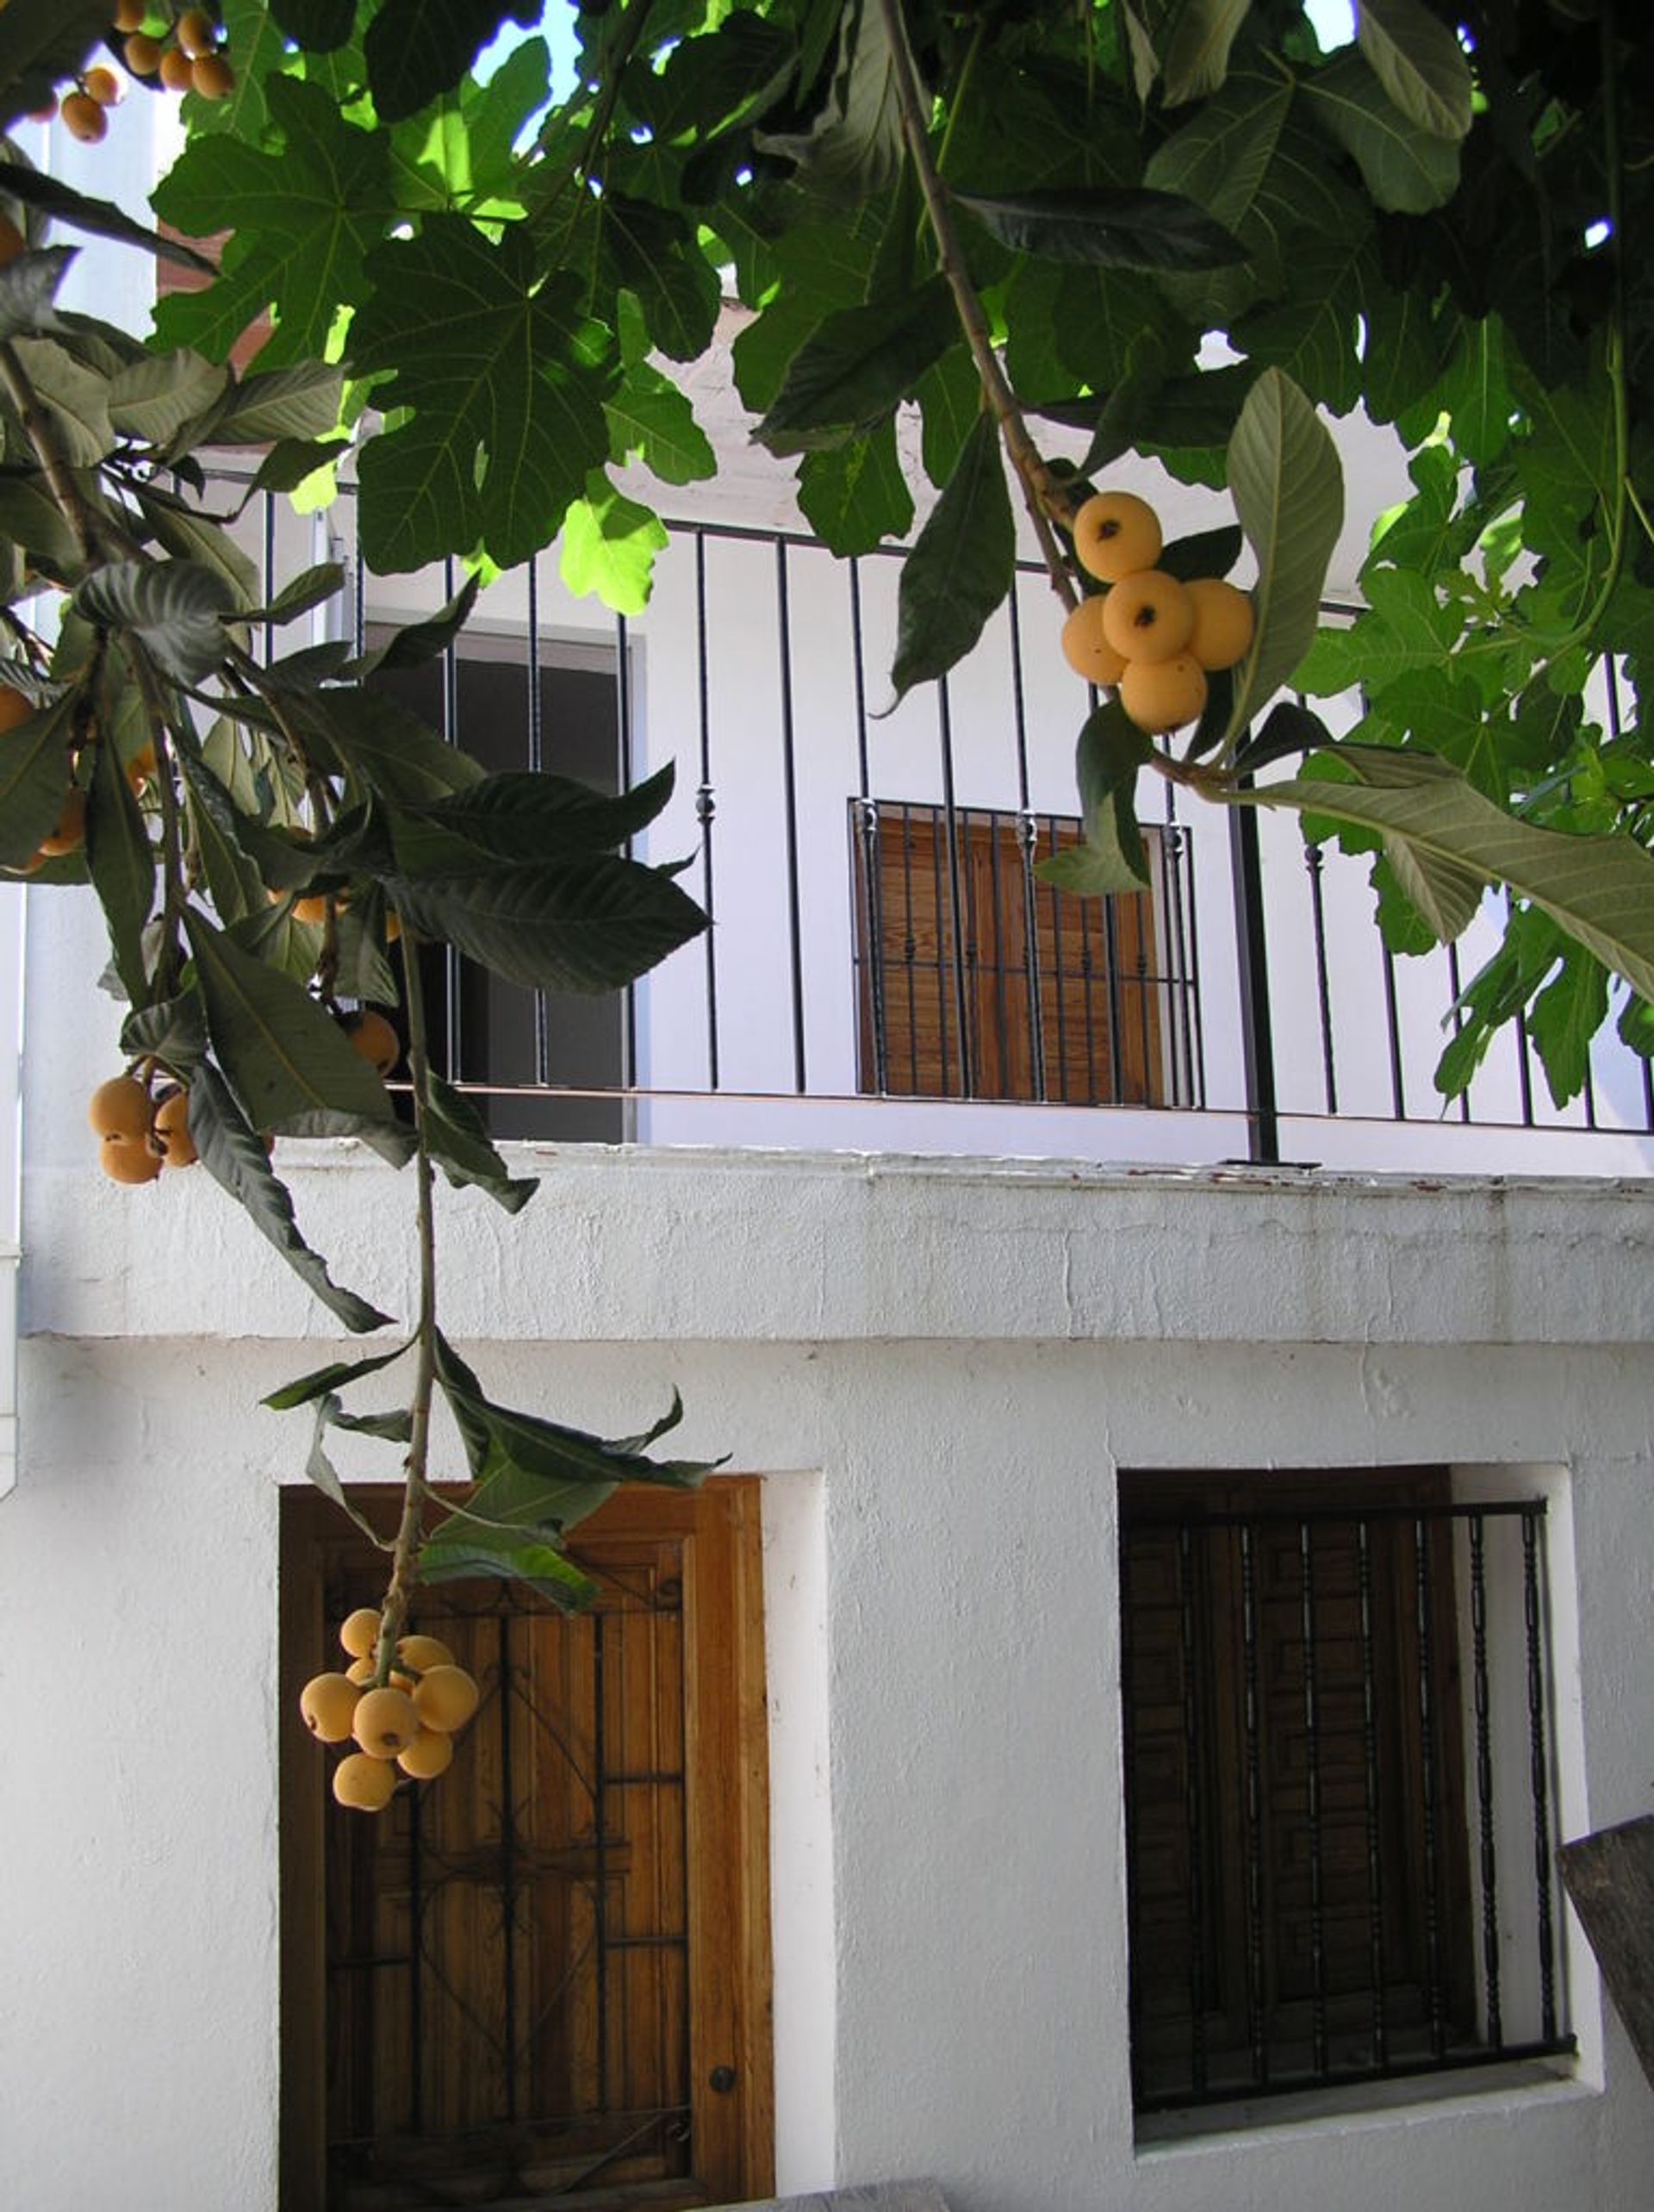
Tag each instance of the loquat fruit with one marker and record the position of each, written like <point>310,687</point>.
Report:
<point>84,119</point>
<point>12,243</point>
<point>1117,534</point>
<point>375,1038</point>
<point>212,76</point>
<point>197,33</point>
<point>445,1699</point>
<point>103,85</point>
<point>172,1131</point>
<point>423,1652</point>
<point>1223,622</point>
<point>361,1672</point>
<point>359,1631</point>
<point>139,768</point>
<point>177,72</point>
<point>120,1108</point>
<point>142,54</point>
<point>385,1722</point>
<point>1162,696</point>
<point>328,1703</point>
<point>129,15</point>
<point>1085,648</point>
<point>123,1161</point>
<point>1148,616</point>
<point>431,1754</point>
<point>366,1785</point>
<point>14,707</point>
<point>71,833</point>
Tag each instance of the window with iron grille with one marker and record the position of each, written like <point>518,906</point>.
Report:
<point>543,1063</point>
<point>1339,1802</point>
<point>976,979</point>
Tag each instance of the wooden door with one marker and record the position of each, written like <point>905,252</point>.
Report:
<point>543,1976</point>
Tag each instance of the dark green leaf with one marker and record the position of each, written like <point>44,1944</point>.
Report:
<point>33,779</point>
<point>853,148</point>
<point>173,1031</point>
<point>1563,1018</point>
<point>317,26</point>
<point>859,363</point>
<point>462,1551</point>
<point>855,497</point>
<point>950,399</point>
<point>381,746</point>
<point>395,1426</point>
<point>503,376</point>
<point>293,1067</point>
<point>1420,64</point>
<point>312,588</point>
<point>587,925</point>
<point>416,643</point>
<point>322,1472</point>
<point>962,567</point>
<point>1111,856</point>
<point>1112,227</point>
<point>1196,59</point>
<point>1288,494</point>
<point>234,1156</point>
<point>525,820</point>
<point>1206,553</point>
<point>1288,728</point>
<point>122,863</point>
<point>301,402</point>
<point>1407,168</point>
<point>419,49</point>
<point>460,1143</point>
<point>337,1375</point>
<point>153,399</point>
<point>43,42</point>
<point>175,607</point>
<point>290,461</point>
<point>302,218</point>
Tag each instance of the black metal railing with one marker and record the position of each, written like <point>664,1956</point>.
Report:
<point>1268,1016</point>
<point>1340,1810</point>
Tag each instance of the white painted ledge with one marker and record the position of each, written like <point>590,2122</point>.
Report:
<point>644,1246</point>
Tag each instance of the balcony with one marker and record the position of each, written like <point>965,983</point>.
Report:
<point>885,972</point>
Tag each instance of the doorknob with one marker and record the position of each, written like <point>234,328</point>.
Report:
<point>722,2078</point>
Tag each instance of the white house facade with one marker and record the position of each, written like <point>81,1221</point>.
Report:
<point>1199,1523</point>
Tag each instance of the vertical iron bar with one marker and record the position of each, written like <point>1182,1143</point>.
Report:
<point>536,767</point>
<point>867,830</point>
<point>623,746</point>
<point>1095,1092</point>
<point>601,1900</point>
<point>909,950</point>
<point>1257,1040</point>
<point>1538,1766</point>
<point>1145,906</point>
<point>456,1068</point>
<point>1191,1810</point>
<point>1195,1011</point>
<point>706,805</point>
<point>1424,1600</point>
<point>1027,838</point>
<point>949,800</point>
<point>508,1867</point>
<point>789,780</point>
<point>1257,2034</point>
<point>1370,1769</point>
<point>1171,996</point>
<point>1485,1781</point>
<point>940,836</point>
<point>1134,1891</point>
<point>1393,1026</point>
<point>1455,985</point>
<point>269,572</point>
<point>1314,860</point>
<point>415,1964</point>
<point>1312,1805</point>
<point>1001,1018</point>
<point>1059,972</point>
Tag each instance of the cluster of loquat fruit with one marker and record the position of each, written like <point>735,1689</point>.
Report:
<point>405,1725</point>
<point>1154,638</point>
<point>140,1131</point>
<point>181,52</point>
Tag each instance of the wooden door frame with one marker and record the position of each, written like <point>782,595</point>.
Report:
<point>732,2014</point>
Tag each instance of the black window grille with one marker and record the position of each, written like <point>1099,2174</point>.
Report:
<point>1340,1827</point>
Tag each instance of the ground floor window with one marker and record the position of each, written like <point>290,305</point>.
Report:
<point>543,1978</point>
<point>1337,1772</point>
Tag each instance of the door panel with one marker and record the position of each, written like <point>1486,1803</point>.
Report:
<point>544,1975</point>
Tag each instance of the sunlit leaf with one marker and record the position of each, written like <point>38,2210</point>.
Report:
<point>1288,495</point>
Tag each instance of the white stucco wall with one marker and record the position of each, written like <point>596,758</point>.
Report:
<point>940,1366</point>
